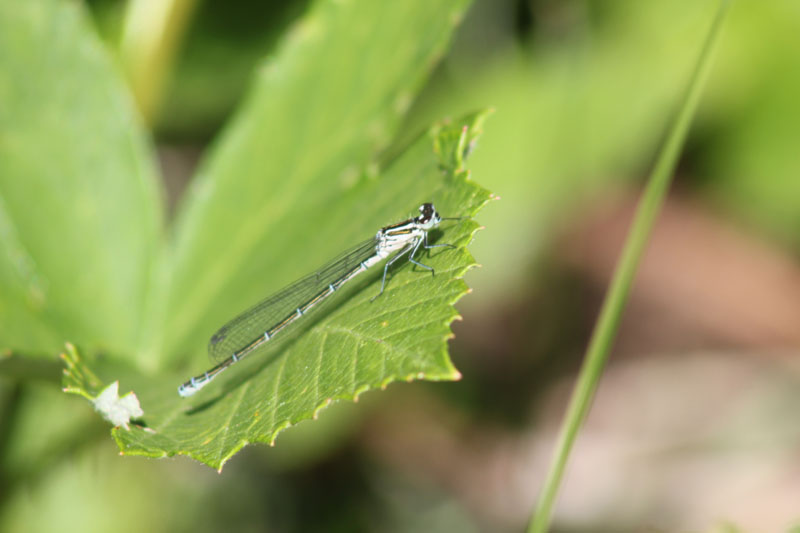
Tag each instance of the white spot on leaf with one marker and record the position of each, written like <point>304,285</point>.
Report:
<point>116,410</point>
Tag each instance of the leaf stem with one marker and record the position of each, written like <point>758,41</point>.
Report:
<point>607,325</point>
<point>152,31</point>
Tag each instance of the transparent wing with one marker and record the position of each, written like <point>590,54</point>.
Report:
<point>251,324</point>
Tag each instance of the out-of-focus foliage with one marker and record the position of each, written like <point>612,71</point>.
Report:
<point>749,135</point>
<point>80,216</point>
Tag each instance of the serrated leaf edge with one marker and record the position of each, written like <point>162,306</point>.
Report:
<point>453,375</point>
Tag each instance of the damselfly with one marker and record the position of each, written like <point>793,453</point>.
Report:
<point>277,313</point>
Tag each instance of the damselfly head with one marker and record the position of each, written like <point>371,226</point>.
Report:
<point>428,217</point>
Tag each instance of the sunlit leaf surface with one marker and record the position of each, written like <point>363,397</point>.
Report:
<point>350,346</point>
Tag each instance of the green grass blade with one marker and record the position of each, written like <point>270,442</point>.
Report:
<point>608,322</point>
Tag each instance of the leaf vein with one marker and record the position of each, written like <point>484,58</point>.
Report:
<point>226,426</point>
<point>278,378</point>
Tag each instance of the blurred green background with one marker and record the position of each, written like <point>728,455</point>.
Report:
<point>695,424</point>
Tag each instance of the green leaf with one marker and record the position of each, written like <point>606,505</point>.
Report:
<point>80,212</point>
<point>317,115</point>
<point>349,347</point>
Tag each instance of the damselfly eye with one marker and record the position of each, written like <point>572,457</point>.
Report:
<point>426,212</point>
